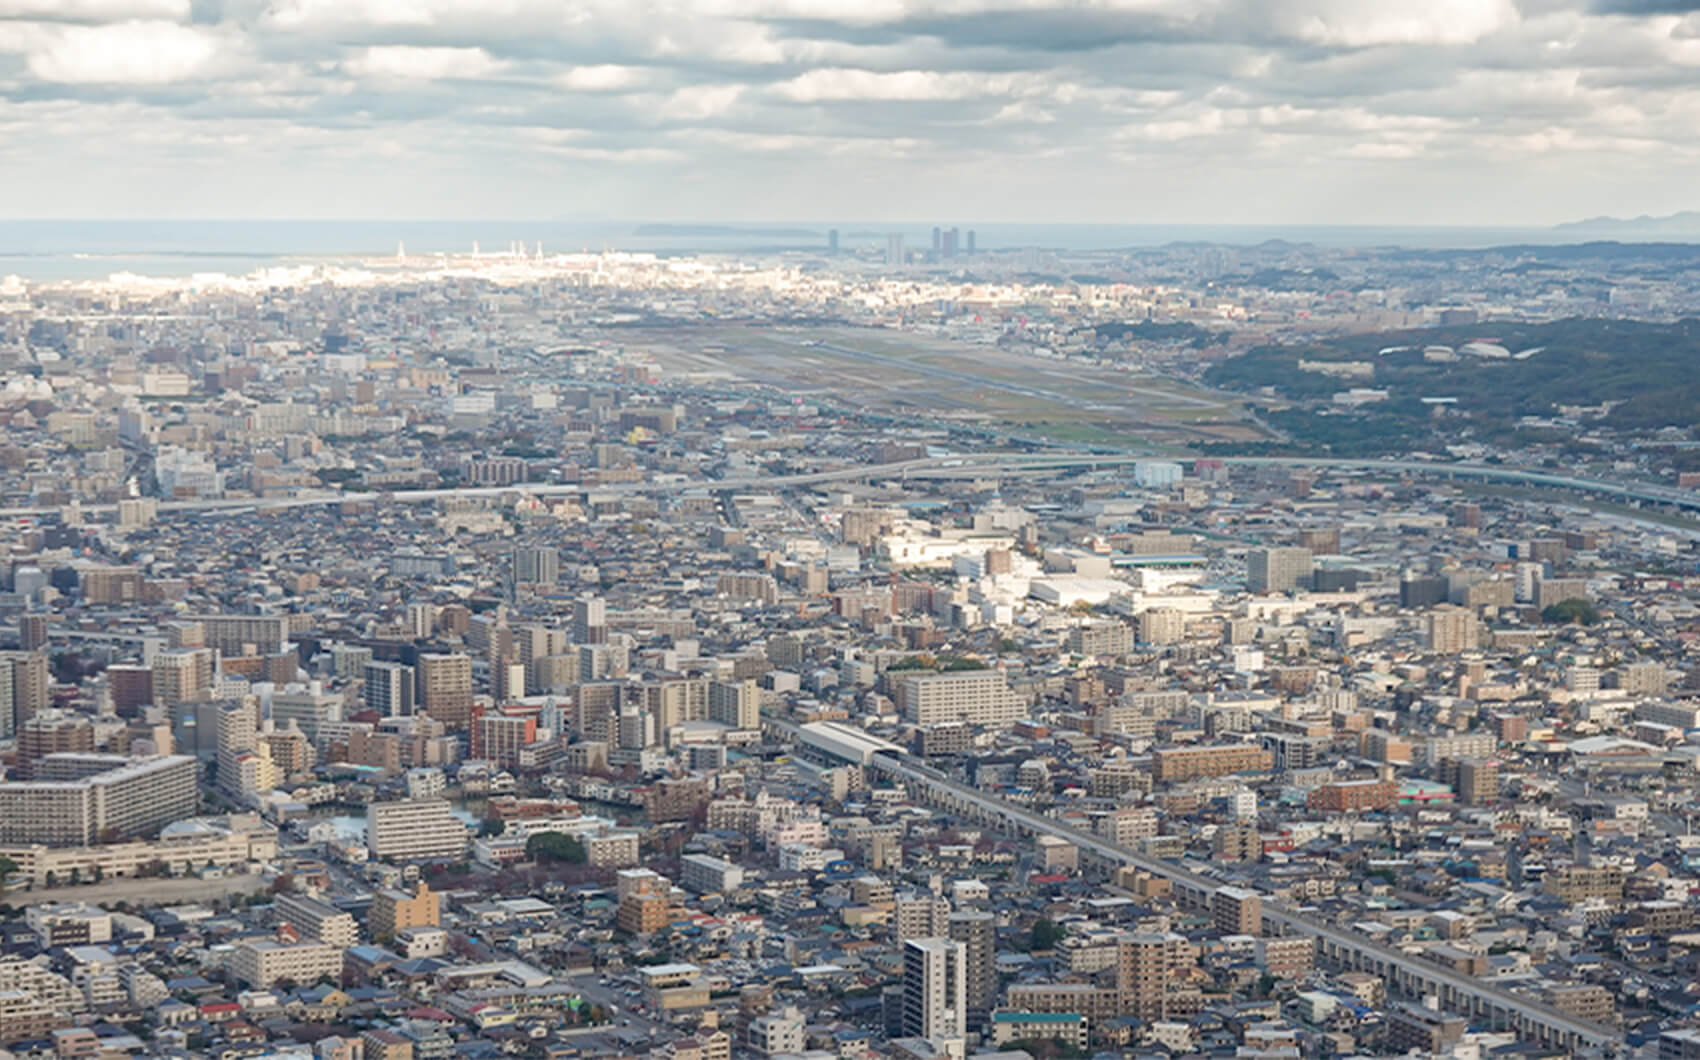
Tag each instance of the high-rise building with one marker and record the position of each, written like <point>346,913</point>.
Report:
<point>1451,630</point>
<point>1644,679</point>
<point>601,662</point>
<point>246,634</point>
<point>935,986</point>
<point>590,620</point>
<point>445,688</point>
<point>32,632</point>
<point>499,738</point>
<point>1277,570</point>
<point>26,685</point>
<point>79,799</point>
<point>969,245</point>
<point>245,768</point>
<point>537,566</point>
<point>394,911</point>
<point>1237,911</point>
<point>317,919</point>
<point>894,249</point>
<point>1417,591</point>
<point>977,932</point>
<point>415,829</point>
<point>51,732</point>
<point>1162,625</point>
<point>181,675</point>
<point>978,697</point>
<point>389,689</point>
<point>1142,974</point>
<point>832,241</point>
<point>919,916</point>
<point>309,709</point>
<point>1478,781</point>
<point>735,703</point>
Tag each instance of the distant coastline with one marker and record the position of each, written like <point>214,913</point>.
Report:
<point>68,250</point>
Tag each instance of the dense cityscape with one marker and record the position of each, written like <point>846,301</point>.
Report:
<point>863,651</point>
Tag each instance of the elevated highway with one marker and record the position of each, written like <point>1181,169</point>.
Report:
<point>966,466</point>
<point>1411,977</point>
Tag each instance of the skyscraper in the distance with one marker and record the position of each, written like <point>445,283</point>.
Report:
<point>935,997</point>
<point>894,249</point>
<point>832,242</point>
<point>938,242</point>
<point>968,247</point>
<point>952,238</point>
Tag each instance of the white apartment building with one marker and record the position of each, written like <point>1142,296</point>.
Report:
<point>978,697</point>
<point>415,829</point>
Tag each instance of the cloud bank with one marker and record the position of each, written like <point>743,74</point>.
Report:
<point>1398,111</point>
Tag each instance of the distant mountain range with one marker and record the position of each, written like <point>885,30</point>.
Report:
<point>1686,223</point>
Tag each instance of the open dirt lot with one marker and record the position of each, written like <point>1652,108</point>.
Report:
<point>902,374</point>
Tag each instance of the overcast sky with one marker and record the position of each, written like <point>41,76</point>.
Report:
<point>1221,111</point>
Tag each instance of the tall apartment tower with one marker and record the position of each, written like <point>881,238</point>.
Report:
<point>32,632</point>
<point>1451,630</point>
<point>919,916</point>
<point>445,688</point>
<point>1142,974</point>
<point>25,686</point>
<point>389,689</point>
<point>1478,781</point>
<point>1277,570</point>
<point>590,620</point>
<point>245,766</point>
<point>181,675</point>
<point>538,566</point>
<point>935,998</point>
<point>735,703</point>
<point>977,932</point>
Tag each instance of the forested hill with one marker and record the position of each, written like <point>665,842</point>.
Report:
<point>1495,373</point>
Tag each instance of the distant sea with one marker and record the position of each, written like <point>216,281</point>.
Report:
<point>77,250</point>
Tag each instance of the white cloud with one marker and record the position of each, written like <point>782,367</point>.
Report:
<point>95,10</point>
<point>843,85</point>
<point>409,63</point>
<point>126,53</point>
<point>308,13</point>
<point>604,77</point>
<point>1368,23</point>
<point>696,104</point>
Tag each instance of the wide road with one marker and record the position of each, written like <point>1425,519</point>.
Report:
<point>968,465</point>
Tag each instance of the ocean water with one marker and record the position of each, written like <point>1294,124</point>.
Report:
<point>72,250</point>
